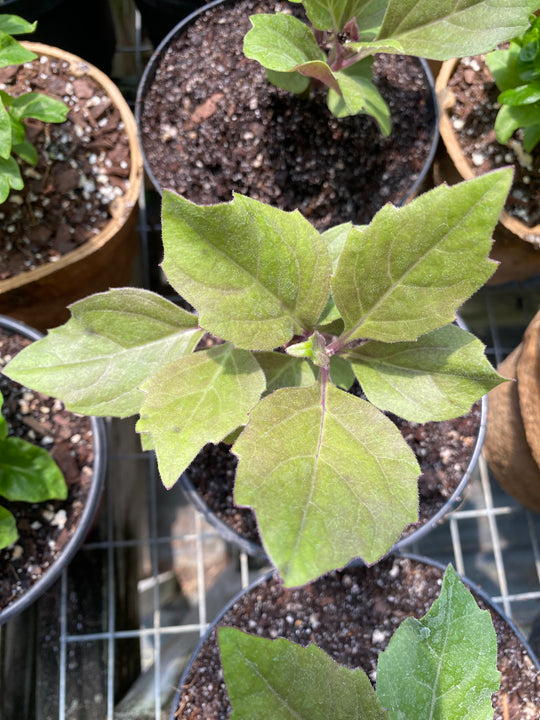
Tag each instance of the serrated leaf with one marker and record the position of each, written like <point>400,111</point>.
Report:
<point>28,473</point>
<point>443,666</point>
<point>257,275</point>
<point>282,370</point>
<point>359,94</point>
<point>334,14</point>
<point>447,29</point>
<point>8,529</point>
<point>437,377</point>
<point>97,360</point>
<point>329,476</point>
<point>200,398</point>
<point>281,680</point>
<point>39,106</point>
<point>412,267</point>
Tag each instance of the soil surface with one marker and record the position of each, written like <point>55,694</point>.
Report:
<point>351,615</point>
<point>83,168</point>
<point>44,528</point>
<point>473,118</point>
<point>443,451</point>
<point>211,123</point>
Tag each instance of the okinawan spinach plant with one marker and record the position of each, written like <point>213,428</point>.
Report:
<point>14,110</point>
<point>28,474</point>
<point>443,666</point>
<point>338,49</point>
<point>516,71</point>
<point>302,315</point>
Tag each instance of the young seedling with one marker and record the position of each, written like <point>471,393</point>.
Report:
<point>337,49</point>
<point>302,315</point>
<point>443,666</point>
<point>27,474</point>
<point>14,110</point>
<point>516,71</point>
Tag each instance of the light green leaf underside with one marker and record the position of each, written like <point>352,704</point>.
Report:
<point>283,370</point>
<point>8,529</point>
<point>359,94</point>
<point>281,680</point>
<point>443,666</point>
<point>454,28</point>
<point>28,473</point>
<point>200,398</point>
<point>329,477</point>
<point>412,267</point>
<point>256,274</point>
<point>96,362</point>
<point>334,14</point>
<point>437,377</point>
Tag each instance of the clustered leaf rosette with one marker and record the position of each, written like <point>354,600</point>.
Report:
<point>14,110</point>
<point>441,666</point>
<point>516,71</point>
<point>301,315</point>
<point>337,48</point>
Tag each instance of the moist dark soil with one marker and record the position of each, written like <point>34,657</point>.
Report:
<point>44,528</point>
<point>473,118</point>
<point>211,123</point>
<point>443,451</point>
<point>83,168</point>
<point>351,615</point>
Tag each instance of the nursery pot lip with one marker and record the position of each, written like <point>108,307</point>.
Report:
<point>150,71</point>
<point>473,587</point>
<point>90,507</point>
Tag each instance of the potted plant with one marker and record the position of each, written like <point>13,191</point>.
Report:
<point>487,121</point>
<point>317,651</point>
<point>296,315</point>
<point>71,229</point>
<point>48,504</point>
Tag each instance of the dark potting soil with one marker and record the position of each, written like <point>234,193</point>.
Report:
<point>211,124</point>
<point>473,118</point>
<point>351,615</point>
<point>82,171</point>
<point>44,528</point>
<point>443,451</point>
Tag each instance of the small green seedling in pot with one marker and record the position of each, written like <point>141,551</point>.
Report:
<point>27,474</point>
<point>338,49</point>
<point>516,71</point>
<point>14,110</point>
<point>302,315</point>
<point>442,666</point>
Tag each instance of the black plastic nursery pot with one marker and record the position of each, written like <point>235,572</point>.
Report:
<point>210,123</point>
<point>60,526</point>
<point>159,17</point>
<point>351,615</point>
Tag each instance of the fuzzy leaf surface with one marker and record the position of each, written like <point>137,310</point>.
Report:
<point>8,529</point>
<point>334,14</point>
<point>410,269</point>
<point>283,370</point>
<point>281,680</point>
<point>281,42</point>
<point>198,399</point>
<point>450,28</point>
<point>97,360</point>
<point>443,666</point>
<point>359,94</point>
<point>257,275</point>
<point>329,477</point>
<point>437,377</point>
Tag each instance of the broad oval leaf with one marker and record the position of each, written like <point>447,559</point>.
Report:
<point>281,680</point>
<point>437,377</point>
<point>256,274</point>
<point>410,269</point>
<point>200,398</point>
<point>97,360</point>
<point>282,370</point>
<point>280,42</point>
<point>28,473</point>
<point>447,29</point>
<point>359,94</point>
<point>8,528</point>
<point>11,51</point>
<point>443,666</point>
<point>39,106</point>
<point>16,25</point>
<point>335,14</point>
<point>329,477</point>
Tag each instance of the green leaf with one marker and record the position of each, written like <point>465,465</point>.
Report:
<point>5,133</point>
<point>447,29</point>
<point>96,362</point>
<point>437,377</point>
<point>28,473</point>
<point>10,177</point>
<point>27,152</point>
<point>39,106</point>
<point>257,275</point>
<point>291,81</point>
<point>334,14</point>
<point>281,680</point>
<point>12,52</point>
<point>443,666</point>
<point>198,399</point>
<point>15,25</point>
<point>531,137</point>
<point>282,370</point>
<point>510,118</point>
<point>359,95</point>
<point>3,423</point>
<point>502,65</point>
<point>341,372</point>
<point>8,529</point>
<point>412,267</point>
<point>314,348</point>
<point>333,480</point>
<point>522,95</point>
<point>335,239</point>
